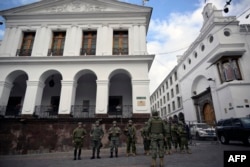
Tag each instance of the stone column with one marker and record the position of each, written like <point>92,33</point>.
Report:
<point>143,45</point>
<point>33,96</point>
<point>136,40</point>
<point>102,97</point>
<point>141,101</point>
<point>67,97</point>
<point>5,88</point>
<point>38,48</point>
<point>70,42</point>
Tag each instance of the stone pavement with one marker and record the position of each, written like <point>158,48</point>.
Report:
<point>205,154</point>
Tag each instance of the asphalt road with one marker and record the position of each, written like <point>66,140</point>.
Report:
<point>204,154</point>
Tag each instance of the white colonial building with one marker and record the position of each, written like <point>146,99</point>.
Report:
<point>214,73</point>
<point>87,58</point>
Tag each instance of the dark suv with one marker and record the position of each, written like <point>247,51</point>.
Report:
<point>234,129</point>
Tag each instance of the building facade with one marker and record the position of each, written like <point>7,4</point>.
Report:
<point>213,74</point>
<point>75,57</point>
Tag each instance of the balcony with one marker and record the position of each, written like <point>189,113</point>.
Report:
<point>124,111</point>
<point>90,51</point>
<point>55,52</point>
<point>11,111</point>
<point>46,111</point>
<point>23,52</point>
<point>120,51</point>
<point>81,111</point>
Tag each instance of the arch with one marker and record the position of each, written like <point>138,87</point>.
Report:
<point>119,71</point>
<point>14,74</point>
<point>48,73</point>
<point>83,72</point>
<point>200,84</point>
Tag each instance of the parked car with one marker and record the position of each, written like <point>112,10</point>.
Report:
<point>202,131</point>
<point>234,129</point>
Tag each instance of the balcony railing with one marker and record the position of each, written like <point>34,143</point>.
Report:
<point>124,111</point>
<point>11,111</point>
<point>81,111</point>
<point>55,52</point>
<point>46,111</point>
<point>120,51</point>
<point>23,52</point>
<point>85,51</point>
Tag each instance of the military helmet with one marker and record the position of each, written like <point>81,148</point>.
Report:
<point>97,122</point>
<point>155,113</point>
<point>114,122</point>
<point>79,123</point>
<point>130,121</point>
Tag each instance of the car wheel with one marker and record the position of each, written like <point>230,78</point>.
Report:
<point>223,139</point>
<point>247,140</point>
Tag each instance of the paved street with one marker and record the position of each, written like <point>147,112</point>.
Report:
<point>204,154</point>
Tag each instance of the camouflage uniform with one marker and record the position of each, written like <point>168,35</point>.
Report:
<point>168,139</point>
<point>114,133</point>
<point>146,139</point>
<point>78,135</point>
<point>157,132</point>
<point>183,133</point>
<point>175,135</point>
<point>130,132</point>
<point>96,133</point>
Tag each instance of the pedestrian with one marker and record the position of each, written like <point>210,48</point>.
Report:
<point>146,139</point>
<point>174,134</point>
<point>96,135</point>
<point>157,132</point>
<point>114,134</point>
<point>130,132</point>
<point>183,132</point>
<point>168,139</point>
<point>78,135</point>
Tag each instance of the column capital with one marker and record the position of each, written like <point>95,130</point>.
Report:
<point>102,82</point>
<point>35,83</point>
<point>6,84</point>
<point>140,82</point>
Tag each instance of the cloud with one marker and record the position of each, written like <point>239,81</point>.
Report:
<point>170,37</point>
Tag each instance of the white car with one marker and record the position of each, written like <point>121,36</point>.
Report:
<point>202,131</point>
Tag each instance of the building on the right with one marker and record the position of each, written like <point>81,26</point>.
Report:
<point>214,73</point>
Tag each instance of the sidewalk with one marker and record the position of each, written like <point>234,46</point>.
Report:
<point>203,155</point>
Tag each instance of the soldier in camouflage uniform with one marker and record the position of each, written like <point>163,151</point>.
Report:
<point>168,139</point>
<point>183,133</point>
<point>146,139</point>
<point>174,134</point>
<point>78,135</point>
<point>114,133</point>
<point>130,132</point>
<point>157,132</point>
<point>96,135</point>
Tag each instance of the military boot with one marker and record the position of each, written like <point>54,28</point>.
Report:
<point>111,155</point>
<point>93,154</point>
<point>161,162</point>
<point>79,154</point>
<point>153,163</point>
<point>98,154</point>
<point>75,151</point>
<point>116,153</point>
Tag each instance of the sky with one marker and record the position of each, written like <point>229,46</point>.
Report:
<point>174,25</point>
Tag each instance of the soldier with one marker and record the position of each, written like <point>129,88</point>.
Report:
<point>175,136</point>
<point>183,133</point>
<point>78,136</point>
<point>130,132</point>
<point>96,134</point>
<point>114,133</point>
<point>146,139</point>
<point>157,132</point>
<point>168,140</point>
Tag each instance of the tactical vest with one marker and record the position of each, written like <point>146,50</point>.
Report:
<point>156,126</point>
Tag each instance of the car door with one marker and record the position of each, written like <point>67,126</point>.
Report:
<point>236,129</point>
<point>227,128</point>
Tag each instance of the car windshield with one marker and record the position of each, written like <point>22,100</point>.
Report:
<point>203,126</point>
<point>246,122</point>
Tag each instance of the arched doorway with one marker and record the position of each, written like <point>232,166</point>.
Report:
<point>209,115</point>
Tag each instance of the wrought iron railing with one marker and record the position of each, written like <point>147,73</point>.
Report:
<point>23,52</point>
<point>46,111</point>
<point>120,51</point>
<point>90,51</point>
<point>13,111</point>
<point>55,52</point>
<point>81,111</point>
<point>124,111</point>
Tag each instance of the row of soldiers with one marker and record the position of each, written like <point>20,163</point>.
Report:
<point>158,136</point>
